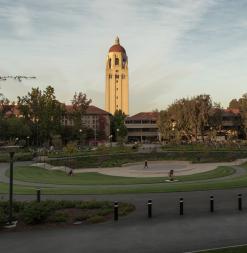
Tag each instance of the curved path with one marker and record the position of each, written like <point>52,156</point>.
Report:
<point>160,168</point>
<point>239,171</point>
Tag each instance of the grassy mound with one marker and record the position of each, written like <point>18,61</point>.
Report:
<point>40,175</point>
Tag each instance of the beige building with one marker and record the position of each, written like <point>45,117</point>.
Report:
<point>117,80</point>
<point>142,127</point>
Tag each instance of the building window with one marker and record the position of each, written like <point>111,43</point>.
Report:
<point>116,61</point>
<point>116,76</point>
<point>110,63</point>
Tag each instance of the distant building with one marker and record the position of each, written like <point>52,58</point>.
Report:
<point>94,118</point>
<point>142,127</point>
<point>117,80</point>
<point>231,122</point>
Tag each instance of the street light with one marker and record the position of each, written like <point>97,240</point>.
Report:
<point>117,134</point>
<point>11,150</point>
<point>110,139</point>
<point>28,138</point>
<point>95,139</point>
<point>80,131</point>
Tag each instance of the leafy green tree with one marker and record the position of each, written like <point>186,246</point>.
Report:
<point>80,103</point>
<point>119,130</point>
<point>17,128</point>
<point>185,118</point>
<point>42,112</point>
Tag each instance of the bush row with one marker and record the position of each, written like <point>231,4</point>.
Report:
<point>115,160</point>
<point>32,213</point>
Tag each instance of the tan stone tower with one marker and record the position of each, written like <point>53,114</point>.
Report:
<point>117,80</point>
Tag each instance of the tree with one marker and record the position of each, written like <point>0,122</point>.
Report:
<point>164,125</point>
<point>119,130</point>
<point>185,118</point>
<point>80,103</point>
<point>17,128</point>
<point>42,112</point>
<point>241,105</point>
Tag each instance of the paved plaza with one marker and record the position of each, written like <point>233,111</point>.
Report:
<point>165,232</point>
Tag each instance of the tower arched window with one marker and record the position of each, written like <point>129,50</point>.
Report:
<point>116,61</point>
<point>110,63</point>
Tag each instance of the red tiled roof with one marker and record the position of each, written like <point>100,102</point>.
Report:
<point>117,48</point>
<point>90,110</point>
<point>234,111</point>
<point>95,110</point>
<point>144,116</point>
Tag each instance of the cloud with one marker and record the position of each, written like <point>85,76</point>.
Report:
<point>65,43</point>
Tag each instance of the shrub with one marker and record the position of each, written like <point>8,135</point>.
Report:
<point>83,216</point>
<point>96,219</point>
<point>125,208</point>
<point>3,216</point>
<point>58,216</point>
<point>35,213</point>
<point>105,211</point>
<point>93,204</point>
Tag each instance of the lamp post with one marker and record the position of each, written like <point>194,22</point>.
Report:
<point>28,138</point>
<point>80,131</point>
<point>11,150</point>
<point>110,139</point>
<point>95,136</point>
<point>37,132</point>
<point>117,134</point>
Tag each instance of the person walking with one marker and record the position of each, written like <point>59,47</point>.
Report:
<point>146,164</point>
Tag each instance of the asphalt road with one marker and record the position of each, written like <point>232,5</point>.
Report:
<point>165,232</point>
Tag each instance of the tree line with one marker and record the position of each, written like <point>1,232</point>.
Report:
<point>199,119</point>
<point>42,117</point>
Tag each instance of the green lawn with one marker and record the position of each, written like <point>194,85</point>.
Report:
<point>238,182</point>
<point>40,175</point>
<point>240,249</point>
<point>138,188</point>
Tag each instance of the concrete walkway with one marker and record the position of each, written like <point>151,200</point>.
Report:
<point>165,232</point>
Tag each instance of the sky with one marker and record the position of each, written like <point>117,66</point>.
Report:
<point>175,48</point>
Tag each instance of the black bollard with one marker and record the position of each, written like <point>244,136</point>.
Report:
<point>211,204</point>
<point>240,202</point>
<point>181,206</point>
<point>38,195</point>
<point>150,208</point>
<point>115,210</point>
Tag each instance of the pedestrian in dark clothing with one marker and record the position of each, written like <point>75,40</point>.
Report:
<point>70,172</point>
<point>146,164</point>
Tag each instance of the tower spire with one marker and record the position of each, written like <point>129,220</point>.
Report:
<point>117,42</point>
